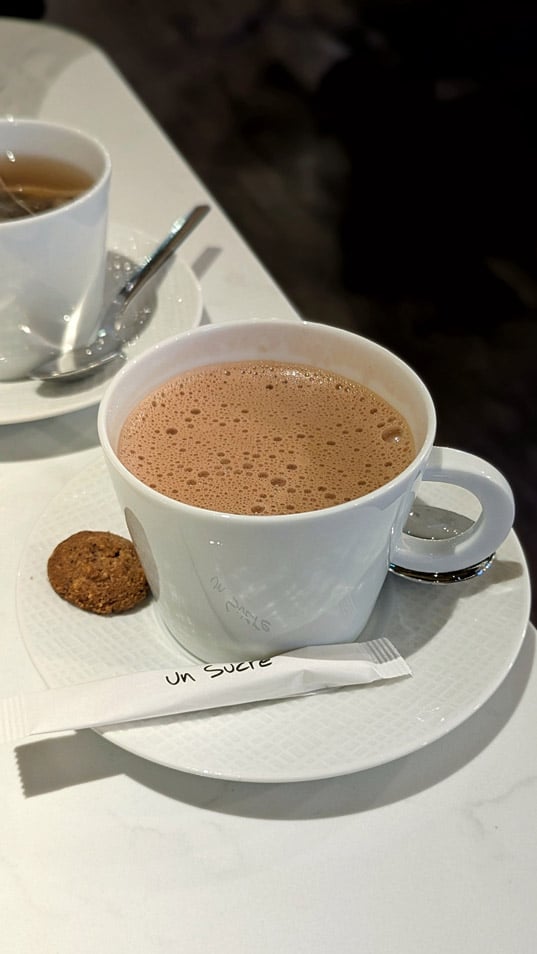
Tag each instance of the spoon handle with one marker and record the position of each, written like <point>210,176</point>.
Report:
<point>179,231</point>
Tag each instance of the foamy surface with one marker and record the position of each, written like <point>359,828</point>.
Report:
<point>255,437</point>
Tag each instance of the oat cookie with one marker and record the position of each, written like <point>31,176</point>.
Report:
<point>97,571</point>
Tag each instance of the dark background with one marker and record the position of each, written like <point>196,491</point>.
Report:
<point>380,158</point>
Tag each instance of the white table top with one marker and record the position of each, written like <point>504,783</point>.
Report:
<point>103,851</point>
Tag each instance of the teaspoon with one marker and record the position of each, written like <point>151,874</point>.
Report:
<point>113,334</point>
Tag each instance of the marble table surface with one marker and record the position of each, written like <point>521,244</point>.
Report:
<point>101,850</point>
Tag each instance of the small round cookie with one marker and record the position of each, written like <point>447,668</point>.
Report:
<point>98,571</point>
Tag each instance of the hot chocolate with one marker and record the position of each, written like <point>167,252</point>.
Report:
<point>263,437</point>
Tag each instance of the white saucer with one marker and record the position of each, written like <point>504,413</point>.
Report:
<point>175,306</point>
<point>460,640</point>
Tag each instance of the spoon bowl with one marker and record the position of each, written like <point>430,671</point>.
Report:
<point>115,332</point>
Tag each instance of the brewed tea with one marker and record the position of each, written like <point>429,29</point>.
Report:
<point>30,185</point>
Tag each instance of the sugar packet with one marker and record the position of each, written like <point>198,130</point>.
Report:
<point>156,693</point>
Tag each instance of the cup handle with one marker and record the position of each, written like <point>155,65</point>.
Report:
<point>470,552</point>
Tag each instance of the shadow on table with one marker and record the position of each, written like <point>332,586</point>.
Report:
<point>50,437</point>
<point>52,764</point>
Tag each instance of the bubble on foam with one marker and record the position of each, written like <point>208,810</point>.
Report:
<point>393,433</point>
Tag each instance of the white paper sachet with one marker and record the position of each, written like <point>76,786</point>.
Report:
<point>148,695</point>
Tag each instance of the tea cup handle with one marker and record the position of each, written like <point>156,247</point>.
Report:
<point>471,551</point>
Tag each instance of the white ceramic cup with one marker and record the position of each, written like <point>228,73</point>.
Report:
<point>232,587</point>
<point>53,264</point>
